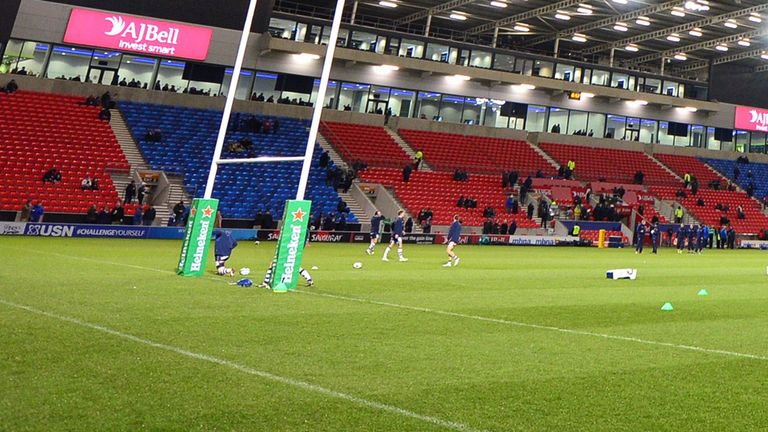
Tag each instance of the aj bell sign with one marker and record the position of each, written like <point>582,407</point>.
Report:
<point>135,34</point>
<point>751,119</point>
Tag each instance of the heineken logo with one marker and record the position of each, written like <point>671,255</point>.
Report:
<point>293,249</point>
<point>202,240</point>
<point>207,212</point>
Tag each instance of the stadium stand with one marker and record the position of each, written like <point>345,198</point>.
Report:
<point>611,165</point>
<point>449,152</point>
<point>439,192</point>
<point>41,131</point>
<point>759,174</point>
<point>754,222</point>
<point>689,164</point>
<point>369,144</point>
<point>189,137</point>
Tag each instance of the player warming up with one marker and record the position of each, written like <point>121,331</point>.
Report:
<point>375,232</point>
<point>454,235</point>
<point>222,251</point>
<point>397,237</point>
<point>268,276</point>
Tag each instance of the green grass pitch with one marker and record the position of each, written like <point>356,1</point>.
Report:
<point>100,335</point>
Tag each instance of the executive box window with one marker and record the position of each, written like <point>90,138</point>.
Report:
<point>411,48</point>
<point>140,69</point>
<point>648,130</point>
<point>402,102</point>
<point>264,84</point>
<point>363,41</point>
<point>504,62</point>
<point>596,124</point>
<point>536,119</point>
<point>353,97</point>
<point>69,63</point>
<point>566,73</point>
<point>473,111</point>
<point>169,76</point>
<point>341,41</point>
<point>577,122</point>
<point>650,85</point>
<point>481,59</point>
<point>600,77</point>
<point>615,126</point>
<point>244,84</point>
<point>281,28</point>
<point>330,94</point>
<point>543,68</point>
<point>698,136</point>
<point>623,81</point>
<point>451,108</point>
<point>441,53</point>
<point>558,117</point>
<point>428,105</point>
<point>29,57</point>
<point>741,141</point>
<point>104,66</point>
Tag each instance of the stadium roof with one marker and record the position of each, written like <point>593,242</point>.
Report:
<point>637,31</point>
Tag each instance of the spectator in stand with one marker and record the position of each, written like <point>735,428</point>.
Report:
<point>513,177</point>
<point>324,159</point>
<point>750,189</point>
<point>267,222</point>
<point>171,221</point>
<point>117,213</point>
<point>130,192</point>
<point>85,184</point>
<point>341,206</point>
<point>258,220</point>
<point>460,203</point>
<point>409,225</point>
<point>407,173</point>
<point>103,217</point>
<point>11,87</point>
<point>92,215</point>
<point>736,173</point>
<point>178,211</point>
<point>740,212</point>
<point>266,127</point>
<point>512,228</point>
<point>418,159</point>
<point>94,183</point>
<point>275,125</point>
<point>530,210</point>
<point>185,216</point>
<point>140,193</point>
<point>639,178</point>
<point>731,237</point>
<point>26,209</point>
<point>149,215</point>
<point>138,215</point>
<point>105,115</point>
<point>509,203</point>
<point>328,223</point>
<point>694,185</point>
<point>37,212</point>
<point>52,176</point>
<point>544,213</point>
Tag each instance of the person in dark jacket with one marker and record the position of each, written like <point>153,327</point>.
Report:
<point>224,245</point>
<point>454,237</point>
<point>130,192</point>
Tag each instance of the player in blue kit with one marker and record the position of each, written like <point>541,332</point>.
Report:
<point>398,228</point>
<point>375,231</point>
<point>703,238</point>
<point>454,236</point>
<point>640,237</point>
<point>655,237</point>
<point>693,237</point>
<point>224,244</point>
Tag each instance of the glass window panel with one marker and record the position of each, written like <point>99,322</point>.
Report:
<point>619,80</point>
<point>615,127</point>
<point>586,76</point>
<point>264,85</point>
<point>428,105</point>
<point>243,84</point>
<point>670,88</point>
<point>473,110</point>
<point>652,85</point>
<point>600,77</point>
<point>138,70</point>
<point>464,57</point>
<point>169,77</point>
<point>537,115</point>
<point>451,108</point>
<point>32,58</point>
<point>648,130</point>
<point>493,117</point>
<point>712,144</point>
<point>698,136</point>
<point>543,68</point>
<point>300,33</point>
<point>362,41</point>
<point>757,142</point>
<point>402,102</point>
<point>664,137</point>
<point>596,124</point>
<point>104,66</point>
<point>330,94</point>
<point>11,56</point>
<point>558,117</point>
<point>326,36</point>
<point>378,100</point>
<point>504,62</point>
<point>565,72</point>
<point>69,63</point>
<point>481,59</point>
<point>411,48</point>
<point>741,140</point>
<point>578,122</point>
<point>437,52</point>
<point>281,28</point>
<point>524,66</point>
<point>353,97</point>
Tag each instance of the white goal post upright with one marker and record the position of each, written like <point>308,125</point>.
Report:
<point>318,111</point>
<point>197,235</point>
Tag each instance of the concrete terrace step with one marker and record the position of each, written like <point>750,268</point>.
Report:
<point>407,148</point>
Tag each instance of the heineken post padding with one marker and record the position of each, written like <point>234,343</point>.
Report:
<point>197,237</point>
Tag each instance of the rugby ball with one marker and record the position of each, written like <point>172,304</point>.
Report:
<point>245,271</point>
<point>357,265</point>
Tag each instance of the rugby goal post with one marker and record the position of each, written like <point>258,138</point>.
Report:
<point>293,232</point>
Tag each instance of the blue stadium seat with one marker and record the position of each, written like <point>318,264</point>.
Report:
<point>189,137</point>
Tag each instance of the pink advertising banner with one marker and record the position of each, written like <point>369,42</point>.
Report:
<point>751,119</point>
<point>135,34</point>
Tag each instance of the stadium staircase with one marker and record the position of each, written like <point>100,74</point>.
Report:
<point>407,148</point>
<point>189,137</point>
<point>43,130</point>
<point>137,162</point>
<point>332,153</point>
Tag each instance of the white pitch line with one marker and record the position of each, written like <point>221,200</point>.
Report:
<point>447,424</point>
<point>477,317</point>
